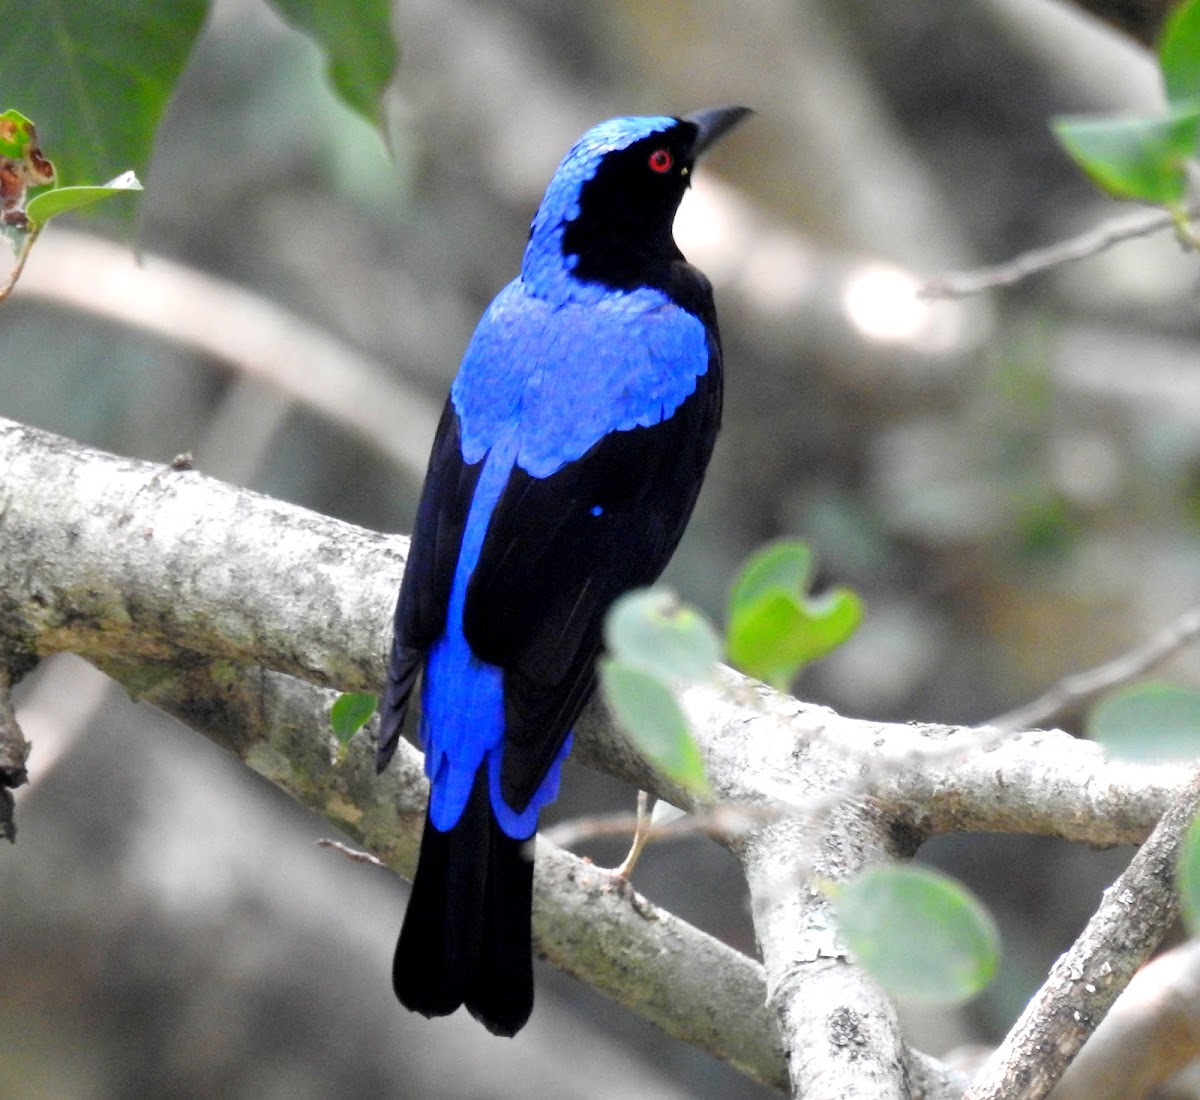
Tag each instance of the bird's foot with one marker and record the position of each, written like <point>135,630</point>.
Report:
<point>641,834</point>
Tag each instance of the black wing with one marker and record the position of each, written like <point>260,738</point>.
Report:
<point>428,574</point>
<point>560,549</point>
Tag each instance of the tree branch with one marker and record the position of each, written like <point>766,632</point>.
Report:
<point>585,922</point>
<point>174,583</point>
<point>1082,686</point>
<point>1150,1034</point>
<point>963,284</point>
<point>1132,919</point>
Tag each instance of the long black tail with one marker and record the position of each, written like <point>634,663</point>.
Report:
<point>466,934</point>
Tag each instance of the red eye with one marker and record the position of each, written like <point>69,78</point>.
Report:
<point>661,161</point>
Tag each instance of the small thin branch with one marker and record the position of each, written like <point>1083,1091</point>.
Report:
<point>724,822</point>
<point>355,855</point>
<point>966,283</point>
<point>1134,915</point>
<point>19,262</point>
<point>1082,686</point>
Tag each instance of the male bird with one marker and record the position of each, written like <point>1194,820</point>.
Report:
<point>565,467</point>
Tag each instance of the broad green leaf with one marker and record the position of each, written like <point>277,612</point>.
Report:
<point>1135,158</point>
<point>645,708</point>
<point>1179,54</point>
<point>650,629</point>
<point>919,933</point>
<point>1150,721</point>
<point>785,563</point>
<point>1187,877</point>
<point>95,76</point>
<point>779,633</point>
<point>359,46</point>
<point>350,712</point>
<point>60,200</point>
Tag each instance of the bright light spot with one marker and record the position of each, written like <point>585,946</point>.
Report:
<point>882,303</point>
<point>712,228</point>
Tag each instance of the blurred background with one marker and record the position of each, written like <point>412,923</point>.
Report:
<point>1011,482</point>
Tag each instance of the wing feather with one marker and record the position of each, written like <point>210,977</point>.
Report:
<point>560,549</point>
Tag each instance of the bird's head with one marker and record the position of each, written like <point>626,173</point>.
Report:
<point>605,221</point>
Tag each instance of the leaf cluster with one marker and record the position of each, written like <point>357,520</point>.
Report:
<point>1148,157</point>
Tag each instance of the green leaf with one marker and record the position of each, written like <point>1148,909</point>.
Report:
<point>1179,54</point>
<point>775,627</point>
<point>17,135</point>
<point>1150,721</point>
<point>350,712</point>
<point>919,933</point>
<point>360,48</point>
<point>1188,877</point>
<point>96,77</point>
<point>60,200</point>
<point>1135,158</point>
<point>650,629</point>
<point>779,634</point>
<point>645,708</point>
<point>785,563</point>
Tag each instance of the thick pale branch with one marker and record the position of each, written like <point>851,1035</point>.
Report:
<point>841,1033</point>
<point>144,568</point>
<point>585,922</point>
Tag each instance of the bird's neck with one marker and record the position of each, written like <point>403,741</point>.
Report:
<point>552,271</point>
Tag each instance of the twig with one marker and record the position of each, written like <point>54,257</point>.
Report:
<point>1133,917</point>
<point>723,822</point>
<point>356,855</point>
<point>19,262</point>
<point>966,283</point>
<point>1120,670</point>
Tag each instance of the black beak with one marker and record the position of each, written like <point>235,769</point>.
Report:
<point>713,124</point>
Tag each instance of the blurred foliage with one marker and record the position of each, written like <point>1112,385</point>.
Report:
<point>359,45</point>
<point>1148,722</point>
<point>645,707</point>
<point>1188,878</point>
<point>350,712</point>
<point>651,628</point>
<point>656,642</point>
<point>923,936</point>
<point>97,77</point>
<point>1147,158</point>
